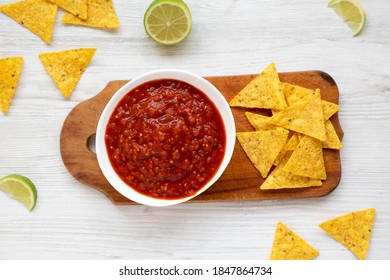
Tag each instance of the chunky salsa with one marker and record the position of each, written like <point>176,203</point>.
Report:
<point>165,139</point>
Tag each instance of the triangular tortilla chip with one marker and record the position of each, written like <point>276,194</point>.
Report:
<point>294,93</point>
<point>329,109</point>
<point>352,230</point>
<point>293,142</point>
<point>67,67</point>
<point>259,122</point>
<point>262,92</point>
<point>307,160</point>
<point>284,150</point>
<point>304,116</point>
<point>79,8</point>
<point>36,15</point>
<point>262,147</point>
<point>332,139</point>
<point>101,14</point>
<point>280,179</point>
<point>10,69</point>
<point>290,246</point>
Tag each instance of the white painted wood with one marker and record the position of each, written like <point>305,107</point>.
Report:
<point>72,221</point>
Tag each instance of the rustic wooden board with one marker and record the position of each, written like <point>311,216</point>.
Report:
<point>239,182</point>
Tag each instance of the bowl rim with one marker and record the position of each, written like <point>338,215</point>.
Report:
<point>213,94</point>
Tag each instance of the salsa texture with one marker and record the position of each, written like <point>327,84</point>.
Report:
<point>165,139</point>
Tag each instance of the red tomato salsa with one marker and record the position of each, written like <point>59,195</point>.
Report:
<point>165,139</point>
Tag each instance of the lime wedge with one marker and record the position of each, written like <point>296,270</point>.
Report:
<point>20,188</point>
<point>352,12</point>
<point>168,22</point>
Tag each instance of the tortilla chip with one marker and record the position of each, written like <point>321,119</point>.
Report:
<point>294,93</point>
<point>332,139</point>
<point>290,246</point>
<point>259,122</point>
<point>304,116</point>
<point>36,15</point>
<point>307,160</point>
<point>10,69</point>
<point>67,67</point>
<point>262,147</point>
<point>293,142</point>
<point>262,92</point>
<point>352,230</point>
<point>280,156</point>
<point>79,8</point>
<point>329,109</point>
<point>101,14</point>
<point>280,179</point>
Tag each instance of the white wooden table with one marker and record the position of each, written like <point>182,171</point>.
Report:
<point>72,221</point>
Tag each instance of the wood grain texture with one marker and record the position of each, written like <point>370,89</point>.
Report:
<point>239,182</point>
<point>229,37</point>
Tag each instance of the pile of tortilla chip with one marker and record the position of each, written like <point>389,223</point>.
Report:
<point>39,15</point>
<point>287,148</point>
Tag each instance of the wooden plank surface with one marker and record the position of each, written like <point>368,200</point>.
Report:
<point>229,37</point>
<point>239,182</point>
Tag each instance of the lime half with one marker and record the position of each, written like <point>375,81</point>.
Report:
<point>352,12</point>
<point>168,22</point>
<point>20,188</point>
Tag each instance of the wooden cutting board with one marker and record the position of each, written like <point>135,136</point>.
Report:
<point>239,182</point>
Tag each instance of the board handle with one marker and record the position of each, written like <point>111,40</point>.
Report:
<point>77,140</point>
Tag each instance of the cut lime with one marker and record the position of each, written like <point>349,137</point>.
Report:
<point>20,188</point>
<point>352,12</point>
<point>168,21</point>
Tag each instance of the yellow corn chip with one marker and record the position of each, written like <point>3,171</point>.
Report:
<point>304,116</point>
<point>10,69</point>
<point>262,92</point>
<point>101,14</point>
<point>352,230</point>
<point>307,160</point>
<point>67,67</point>
<point>36,15</point>
<point>280,179</point>
<point>259,122</point>
<point>280,155</point>
<point>284,150</point>
<point>332,139</point>
<point>329,109</point>
<point>75,7</point>
<point>294,93</point>
<point>290,246</point>
<point>262,147</point>
<point>293,142</point>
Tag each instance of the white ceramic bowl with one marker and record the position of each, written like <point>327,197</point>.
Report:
<point>200,83</point>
